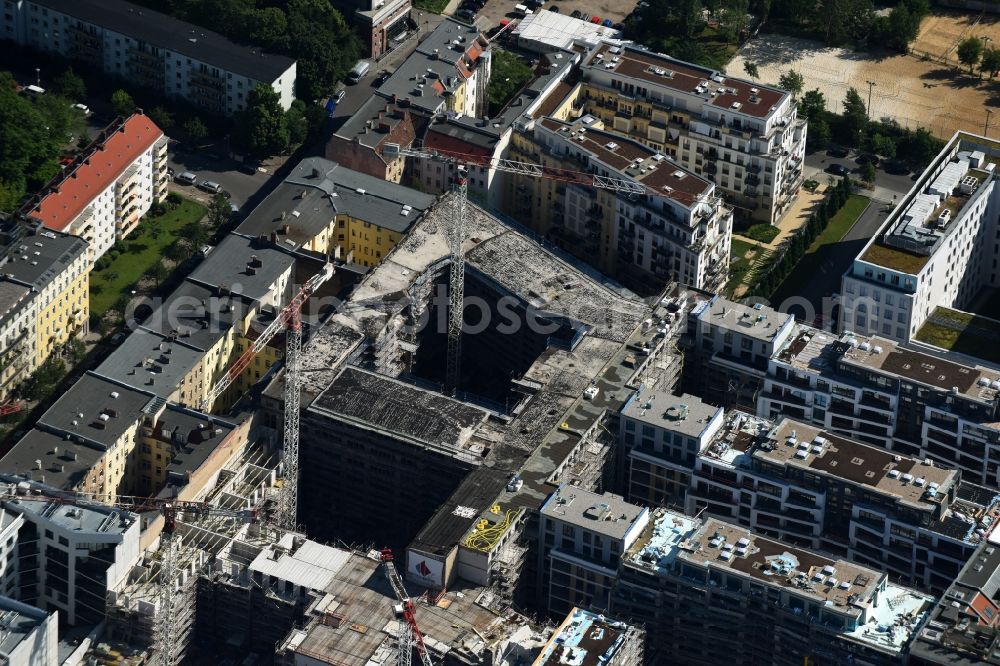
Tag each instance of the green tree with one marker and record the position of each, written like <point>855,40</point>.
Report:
<point>508,76</point>
<point>298,124</point>
<point>122,103</point>
<point>812,105</point>
<point>969,51</point>
<point>195,130</point>
<point>883,145</point>
<point>792,81</point>
<point>261,129</point>
<point>989,64</point>
<point>855,117</point>
<point>71,86</point>
<point>818,136</point>
<point>751,69</point>
<point>919,147</point>
<point>868,172</point>
<point>323,43</point>
<point>196,234</point>
<point>269,28</point>
<point>163,118</point>
<point>218,211</point>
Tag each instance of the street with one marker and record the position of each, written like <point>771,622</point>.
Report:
<point>886,184</point>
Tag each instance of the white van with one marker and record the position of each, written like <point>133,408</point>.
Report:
<point>33,91</point>
<point>359,71</point>
<point>521,9</point>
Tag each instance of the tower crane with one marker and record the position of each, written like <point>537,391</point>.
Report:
<point>408,634</point>
<point>289,320</point>
<point>455,224</point>
<point>165,631</point>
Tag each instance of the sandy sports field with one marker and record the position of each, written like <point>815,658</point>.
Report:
<point>940,34</point>
<point>914,91</point>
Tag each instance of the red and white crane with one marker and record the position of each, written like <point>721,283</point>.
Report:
<point>288,320</point>
<point>408,634</point>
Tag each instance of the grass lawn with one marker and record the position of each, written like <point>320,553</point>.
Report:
<point>764,233</point>
<point>841,223</point>
<point>144,249</point>
<point>962,332</point>
<point>738,263</point>
<point>436,6</point>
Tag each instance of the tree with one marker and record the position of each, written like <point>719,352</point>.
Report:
<point>163,118</point>
<point>812,104</point>
<point>122,103</point>
<point>751,69</point>
<point>868,172</point>
<point>792,81</point>
<point>883,145</point>
<point>218,211</point>
<point>196,234</point>
<point>195,130</point>
<point>990,63</point>
<point>855,117</point>
<point>969,51</point>
<point>261,129</point>
<point>919,147</point>
<point>509,74</point>
<point>818,136</point>
<point>70,85</point>
<point>298,125</point>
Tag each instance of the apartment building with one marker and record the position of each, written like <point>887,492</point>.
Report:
<point>70,557</point>
<point>587,639</point>
<point>45,297</point>
<point>729,346</point>
<point>661,435</point>
<point>150,49</point>
<point>639,218</point>
<point>962,629</point>
<point>876,391</point>
<point>29,635</point>
<point>582,536</point>
<point>359,143</point>
<point>382,22</point>
<point>937,249</point>
<point>332,210</point>
<point>804,485</point>
<point>448,72</point>
<point>108,188</point>
<point>710,592</point>
<point>743,136</point>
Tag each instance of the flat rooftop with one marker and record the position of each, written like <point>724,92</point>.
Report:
<point>606,514</point>
<point>812,349</point>
<point>17,622</point>
<point>12,297</point>
<point>584,639</point>
<point>197,315</point>
<point>794,444</point>
<point>888,357</point>
<point>755,321</point>
<point>88,518</point>
<point>96,409</point>
<point>228,266</point>
<point>962,332</point>
<point>685,414</point>
<point>192,436</point>
<point>64,463</point>
<point>369,400</point>
<point>150,362</point>
<point>695,82</point>
<point>738,438</point>
<point>38,258</point>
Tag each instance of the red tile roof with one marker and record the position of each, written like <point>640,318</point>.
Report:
<point>100,169</point>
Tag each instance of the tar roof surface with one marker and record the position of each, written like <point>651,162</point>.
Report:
<point>227,264</point>
<point>605,514</point>
<point>12,296</point>
<point>856,462</point>
<point>640,64</point>
<point>757,322</point>
<point>686,414</point>
<point>39,258</point>
<point>18,622</point>
<point>167,32</point>
<point>150,362</point>
<point>197,314</point>
<point>193,437</point>
<point>386,404</point>
<point>65,463</point>
<point>108,410</point>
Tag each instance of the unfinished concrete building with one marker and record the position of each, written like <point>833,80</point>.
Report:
<point>551,352</point>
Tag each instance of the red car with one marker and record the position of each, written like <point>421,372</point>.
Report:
<point>595,19</point>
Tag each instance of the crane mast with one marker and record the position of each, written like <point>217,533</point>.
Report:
<point>456,283</point>
<point>408,634</point>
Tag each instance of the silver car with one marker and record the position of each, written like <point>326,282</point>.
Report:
<point>186,178</point>
<point>210,186</point>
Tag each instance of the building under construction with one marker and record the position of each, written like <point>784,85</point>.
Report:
<point>549,358</point>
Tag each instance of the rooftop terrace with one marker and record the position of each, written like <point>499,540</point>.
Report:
<point>584,639</point>
<point>962,332</point>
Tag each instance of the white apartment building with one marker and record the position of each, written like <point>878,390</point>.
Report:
<point>661,436</point>
<point>582,536</point>
<point>18,313</point>
<point>70,557</point>
<point>149,49</point>
<point>937,249</point>
<point>639,218</point>
<point>29,636</point>
<point>742,135</point>
<point>103,194</point>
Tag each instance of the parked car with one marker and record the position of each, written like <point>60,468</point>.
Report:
<point>83,107</point>
<point>838,170</point>
<point>210,186</point>
<point>382,77</point>
<point>337,98</point>
<point>186,178</point>
<point>596,20</point>
<point>249,168</point>
<point>897,167</point>
<point>234,210</point>
<point>868,158</point>
<point>576,13</point>
<point>607,23</point>
<point>553,8</point>
<point>837,151</point>
<point>466,15</point>
<point>117,338</point>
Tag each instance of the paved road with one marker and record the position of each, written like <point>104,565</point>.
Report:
<point>886,184</point>
<point>818,279</point>
<point>210,163</point>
